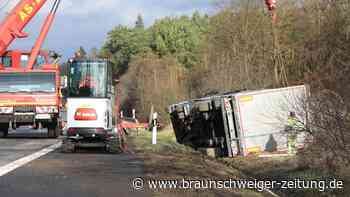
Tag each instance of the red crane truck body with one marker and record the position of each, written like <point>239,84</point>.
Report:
<point>29,84</point>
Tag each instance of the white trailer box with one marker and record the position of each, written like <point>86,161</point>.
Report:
<point>260,118</point>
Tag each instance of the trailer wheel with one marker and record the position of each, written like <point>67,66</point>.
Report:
<point>68,146</point>
<point>4,129</point>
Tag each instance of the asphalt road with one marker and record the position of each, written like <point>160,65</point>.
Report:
<point>87,173</point>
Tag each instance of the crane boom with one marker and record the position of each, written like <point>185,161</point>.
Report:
<point>13,25</point>
<point>43,34</point>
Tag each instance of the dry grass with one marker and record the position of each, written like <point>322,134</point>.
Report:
<point>169,160</point>
<point>283,168</point>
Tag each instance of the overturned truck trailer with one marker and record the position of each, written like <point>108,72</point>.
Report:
<point>240,123</point>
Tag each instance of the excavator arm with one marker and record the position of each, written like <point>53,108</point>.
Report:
<point>13,25</point>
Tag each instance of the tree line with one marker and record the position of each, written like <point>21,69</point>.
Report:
<point>154,63</point>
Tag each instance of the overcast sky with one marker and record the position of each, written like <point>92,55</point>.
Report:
<point>87,22</point>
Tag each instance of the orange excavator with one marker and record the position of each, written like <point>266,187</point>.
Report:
<point>29,83</point>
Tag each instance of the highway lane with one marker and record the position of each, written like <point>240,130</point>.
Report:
<point>87,173</point>
<point>23,142</point>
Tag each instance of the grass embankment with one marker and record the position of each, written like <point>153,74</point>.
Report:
<point>170,160</point>
<point>285,168</point>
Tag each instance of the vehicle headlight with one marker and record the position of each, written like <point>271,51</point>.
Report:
<point>46,109</point>
<point>6,110</point>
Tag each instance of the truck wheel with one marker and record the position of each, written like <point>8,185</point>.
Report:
<point>4,129</point>
<point>68,146</point>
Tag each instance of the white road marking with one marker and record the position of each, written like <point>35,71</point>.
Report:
<point>25,160</point>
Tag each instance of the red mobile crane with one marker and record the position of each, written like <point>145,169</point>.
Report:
<point>29,84</point>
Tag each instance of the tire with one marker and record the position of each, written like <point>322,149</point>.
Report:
<point>4,129</point>
<point>68,146</point>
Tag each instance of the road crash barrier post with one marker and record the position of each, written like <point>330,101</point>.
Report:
<point>154,129</point>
